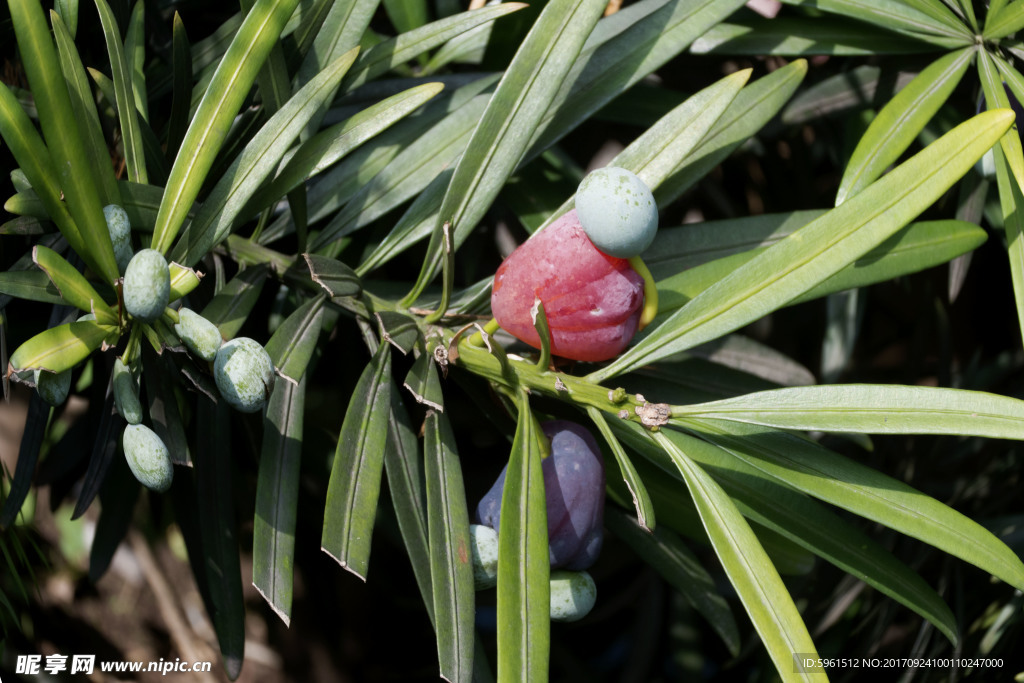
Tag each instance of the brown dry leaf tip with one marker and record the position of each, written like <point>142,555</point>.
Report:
<point>640,398</point>
<point>653,414</point>
<point>446,230</point>
<point>452,354</point>
<point>623,414</point>
<point>441,358</point>
<point>535,309</point>
<point>560,385</point>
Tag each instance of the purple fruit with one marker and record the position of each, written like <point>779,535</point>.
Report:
<point>574,489</point>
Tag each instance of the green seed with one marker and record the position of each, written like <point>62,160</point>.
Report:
<point>148,457</point>
<point>198,333</point>
<point>147,285</point>
<point>573,595</point>
<point>244,374</point>
<point>120,230</point>
<point>483,546</point>
<point>126,393</point>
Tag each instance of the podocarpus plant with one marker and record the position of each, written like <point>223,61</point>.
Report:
<point>302,105</point>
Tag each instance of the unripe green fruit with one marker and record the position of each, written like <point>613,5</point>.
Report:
<point>573,595</point>
<point>126,393</point>
<point>198,333</point>
<point>483,546</point>
<point>148,457</point>
<point>53,387</point>
<point>147,285</point>
<point>617,211</point>
<point>244,374</point>
<point>120,230</point>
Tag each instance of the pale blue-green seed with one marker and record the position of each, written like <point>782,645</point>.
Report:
<point>617,211</point>
<point>120,230</point>
<point>244,374</point>
<point>198,333</point>
<point>148,457</point>
<point>126,393</point>
<point>53,387</point>
<point>573,595</point>
<point>147,285</point>
<point>483,546</point>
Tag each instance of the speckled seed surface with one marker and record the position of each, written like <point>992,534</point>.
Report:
<point>198,333</point>
<point>52,387</point>
<point>126,393</point>
<point>148,457</point>
<point>147,285</point>
<point>244,374</point>
<point>120,230</point>
<point>483,545</point>
<point>573,595</point>
<point>617,211</point>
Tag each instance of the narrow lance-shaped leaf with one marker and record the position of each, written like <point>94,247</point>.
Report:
<point>82,99</point>
<point>181,89</point>
<point>231,306</point>
<point>635,485</point>
<point>231,82</point>
<point>63,139</point>
<point>451,569</point>
<point>899,122</point>
<point>358,461</point>
<point>277,497</point>
<point>817,251</point>
<point>873,409</point>
<point>751,573</point>
<point>513,113</point>
<point>37,416</point>
<point>1002,22</point>
<point>63,347</point>
<point>292,345</point>
<point>73,286</point>
<point>808,467</point>
<point>1011,200</point>
<point>121,71</point>
<point>903,18</point>
<point>524,627</point>
<point>256,163</point>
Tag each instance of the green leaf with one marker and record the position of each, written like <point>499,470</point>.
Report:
<point>656,154</point>
<point>135,57</point>
<point>819,250</point>
<point>232,304</point>
<point>404,468</point>
<point>802,36</point>
<point>873,409</point>
<point>83,101</point>
<point>277,497</point>
<point>423,383</point>
<point>666,553</point>
<point>121,71</point>
<point>108,438</point>
<point>30,285</point>
<point>801,519</point>
<point>257,161</point>
<point>118,496</point>
<point>1008,20</point>
<point>634,484</point>
<point>161,377</point>
<point>406,15</point>
<point>752,108</point>
<point>336,278</point>
<point>398,329</point>
<point>291,347</point>
<point>67,150</point>
<point>913,248</point>
<point>408,45</point>
<point>72,285</point>
<point>893,15</point>
<point>751,573</point>
<point>63,347</point>
<point>515,110</point>
<point>236,73</point>
<point>355,475</point>
<point>327,147</point>
<point>214,508</point>
<point>181,89</point>
<point>451,568</point>
<point>524,627</point>
<point>897,125</point>
<point>183,280</point>
<point>68,12</point>
<point>806,466</point>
